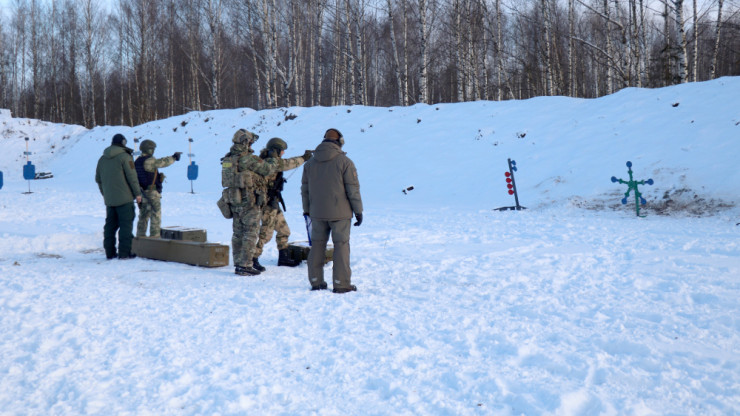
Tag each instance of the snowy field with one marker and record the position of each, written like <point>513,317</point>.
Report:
<point>573,306</point>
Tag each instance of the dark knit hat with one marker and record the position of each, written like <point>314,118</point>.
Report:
<point>119,139</point>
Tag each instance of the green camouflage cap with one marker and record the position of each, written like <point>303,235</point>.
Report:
<point>244,136</point>
<point>277,143</point>
<point>148,146</point>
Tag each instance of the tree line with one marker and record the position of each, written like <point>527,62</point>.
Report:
<point>132,61</point>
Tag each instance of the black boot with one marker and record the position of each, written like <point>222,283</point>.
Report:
<point>285,259</point>
<point>320,286</point>
<point>256,264</point>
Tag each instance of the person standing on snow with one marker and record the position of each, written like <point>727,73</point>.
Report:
<point>150,180</point>
<point>272,217</point>
<point>243,174</point>
<point>330,191</point>
<point>117,181</point>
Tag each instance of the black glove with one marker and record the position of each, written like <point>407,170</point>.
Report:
<point>359,220</point>
<point>177,156</point>
<point>307,155</point>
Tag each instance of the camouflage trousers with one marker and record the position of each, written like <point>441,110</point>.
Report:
<point>272,220</point>
<point>150,213</point>
<point>246,228</point>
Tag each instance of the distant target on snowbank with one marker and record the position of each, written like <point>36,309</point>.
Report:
<point>632,186</point>
<point>137,152</point>
<point>192,167</point>
<point>29,169</point>
<point>511,187</point>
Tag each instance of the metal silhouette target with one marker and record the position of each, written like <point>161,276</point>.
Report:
<point>511,187</point>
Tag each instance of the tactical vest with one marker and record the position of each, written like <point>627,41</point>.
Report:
<point>239,185</point>
<point>147,179</point>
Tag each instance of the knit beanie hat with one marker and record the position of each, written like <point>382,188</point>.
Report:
<point>119,140</point>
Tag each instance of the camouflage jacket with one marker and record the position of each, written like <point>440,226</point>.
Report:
<point>283,165</point>
<point>152,164</point>
<point>259,170</point>
<point>273,188</point>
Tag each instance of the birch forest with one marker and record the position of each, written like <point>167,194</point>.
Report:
<point>127,62</point>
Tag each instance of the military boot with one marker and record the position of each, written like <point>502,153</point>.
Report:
<point>246,271</point>
<point>351,288</point>
<point>285,259</point>
<point>256,264</point>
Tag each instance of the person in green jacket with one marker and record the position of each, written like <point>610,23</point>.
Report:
<point>119,185</point>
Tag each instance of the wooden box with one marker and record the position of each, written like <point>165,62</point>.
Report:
<point>189,252</point>
<point>299,251</point>
<point>183,233</point>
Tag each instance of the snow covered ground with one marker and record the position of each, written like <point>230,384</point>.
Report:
<point>572,307</point>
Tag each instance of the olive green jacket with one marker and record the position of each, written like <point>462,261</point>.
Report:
<point>116,176</point>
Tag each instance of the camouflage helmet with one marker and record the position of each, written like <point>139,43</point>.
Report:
<point>244,136</point>
<point>277,144</point>
<point>148,146</point>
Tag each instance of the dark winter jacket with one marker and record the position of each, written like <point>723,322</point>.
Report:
<point>146,178</point>
<point>330,188</point>
<point>116,176</point>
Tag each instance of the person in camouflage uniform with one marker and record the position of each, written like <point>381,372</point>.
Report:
<point>272,217</point>
<point>248,199</point>
<point>150,180</point>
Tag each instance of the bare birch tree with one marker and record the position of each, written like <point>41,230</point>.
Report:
<point>405,75</point>
<point>318,67</point>
<point>460,69</point>
<point>609,48</point>
<point>94,37</point>
<point>35,46</point>
<point>695,61</point>
<point>717,34</point>
<point>423,28</point>
<point>547,26</point>
<point>159,58</point>
<point>213,15</point>
<point>394,47</point>
<point>681,57</point>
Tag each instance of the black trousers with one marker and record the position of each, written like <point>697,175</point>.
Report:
<point>121,219</point>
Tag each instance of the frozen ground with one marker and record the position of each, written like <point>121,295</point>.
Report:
<point>571,307</point>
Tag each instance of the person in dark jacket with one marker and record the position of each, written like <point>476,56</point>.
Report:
<point>330,191</point>
<point>117,181</point>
